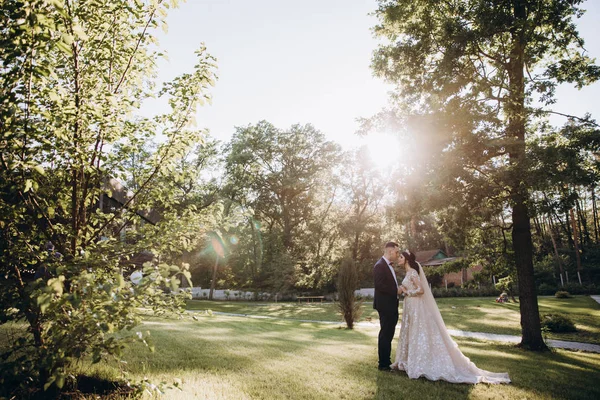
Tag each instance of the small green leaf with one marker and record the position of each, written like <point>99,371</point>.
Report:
<point>49,382</point>
<point>53,96</point>
<point>28,185</point>
<point>78,31</point>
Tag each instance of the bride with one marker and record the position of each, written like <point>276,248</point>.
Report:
<point>425,347</point>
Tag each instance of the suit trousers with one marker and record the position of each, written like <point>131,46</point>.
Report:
<point>387,325</point>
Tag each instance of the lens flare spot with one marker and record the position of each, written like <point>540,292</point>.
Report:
<point>217,246</point>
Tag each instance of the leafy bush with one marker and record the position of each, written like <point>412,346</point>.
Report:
<point>461,292</point>
<point>348,305</point>
<point>561,294</point>
<point>507,284</point>
<point>557,323</point>
<point>545,289</point>
<point>544,269</point>
<point>576,288</point>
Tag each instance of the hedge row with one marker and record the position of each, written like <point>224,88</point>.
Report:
<point>573,288</point>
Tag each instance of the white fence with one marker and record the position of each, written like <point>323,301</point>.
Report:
<point>368,292</point>
<point>225,294</point>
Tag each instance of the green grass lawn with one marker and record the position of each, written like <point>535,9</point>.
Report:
<point>479,314</point>
<point>222,357</point>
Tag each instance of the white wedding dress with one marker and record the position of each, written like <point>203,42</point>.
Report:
<point>425,348</point>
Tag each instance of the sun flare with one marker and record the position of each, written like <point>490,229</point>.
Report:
<point>383,150</point>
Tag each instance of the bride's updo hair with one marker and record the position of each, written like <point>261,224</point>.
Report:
<point>411,258</point>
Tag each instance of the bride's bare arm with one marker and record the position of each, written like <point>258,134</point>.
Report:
<point>414,279</point>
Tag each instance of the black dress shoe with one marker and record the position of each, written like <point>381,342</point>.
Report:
<point>384,368</point>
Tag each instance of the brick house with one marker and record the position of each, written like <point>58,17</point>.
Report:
<point>437,257</point>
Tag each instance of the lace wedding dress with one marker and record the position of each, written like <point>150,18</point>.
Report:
<point>425,347</point>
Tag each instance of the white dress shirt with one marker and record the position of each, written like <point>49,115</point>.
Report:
<point>391,269</point>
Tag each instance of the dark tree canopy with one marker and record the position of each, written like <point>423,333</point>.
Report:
<point>480,73</point>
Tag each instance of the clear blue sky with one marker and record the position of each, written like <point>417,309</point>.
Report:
<point>305,62</point>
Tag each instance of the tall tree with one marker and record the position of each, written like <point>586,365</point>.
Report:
<point>476,67</point>
<point>364,195</point>
<point>278,174</point>
<point>361,219</point>
<point>73,75</point>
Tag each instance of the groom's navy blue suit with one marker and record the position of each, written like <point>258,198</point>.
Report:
<point>386,303</point>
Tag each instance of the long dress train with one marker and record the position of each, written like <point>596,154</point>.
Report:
<point>425,347</point>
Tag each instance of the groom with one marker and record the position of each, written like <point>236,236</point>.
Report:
<point>386,302</point>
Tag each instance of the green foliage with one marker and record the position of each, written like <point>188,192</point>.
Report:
<point>545,270</point>
<point>347,304</point>
<point>280,181</point>
<point>74,75</point>
<point>449,267</point>
<point>465,99</point>
<point>462,292</point>
<point>360,216</point>
<point>576,288</point>
<point>562,294</point>
<point>506,285</point>
<point>545,289</point>
<point>557,323</point>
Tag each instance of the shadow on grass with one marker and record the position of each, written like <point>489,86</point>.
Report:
<point>397,385</point>
<point>287,359</point>
<point>232,343</point>
<point>314,311</point>
<point>556,374</point>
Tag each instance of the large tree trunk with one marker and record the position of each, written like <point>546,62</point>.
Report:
<point>523,248</point>
<point>521,232</point>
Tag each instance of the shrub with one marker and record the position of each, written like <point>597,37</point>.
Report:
<point>557,323</point>
<point>576,288</point>
<point>508,285</point>
<point>545,289</point>
<point>561,294</point>
<point>348,305</point>
<point>460,292</point>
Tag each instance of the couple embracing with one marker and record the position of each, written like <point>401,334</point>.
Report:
<point>425,348</point>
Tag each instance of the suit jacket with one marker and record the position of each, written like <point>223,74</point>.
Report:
<point>386,290</point>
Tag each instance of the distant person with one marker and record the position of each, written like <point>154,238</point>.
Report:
<point>386,303</point>
<point>503,298</point>
<point>425,348</point>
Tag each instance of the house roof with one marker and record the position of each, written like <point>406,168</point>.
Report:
<point>437,261</point>
<point>119,193</point>
<point>424,256</point>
